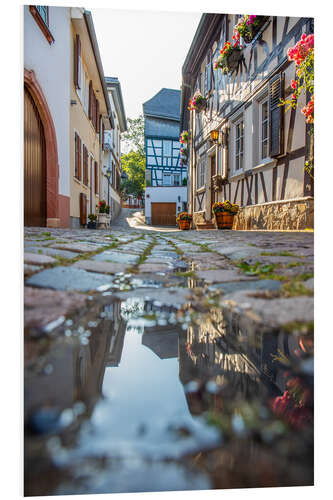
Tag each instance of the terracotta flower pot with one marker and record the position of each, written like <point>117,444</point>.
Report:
<point>184,224</point>
<point>224,220</point>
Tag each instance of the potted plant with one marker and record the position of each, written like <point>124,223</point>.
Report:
<point>248,27</point>
<point>92,221</point>
<point>184,155</point>
<point>224,213</point>
<point>197,103</point>
<point>229,57</point>
<point>183,139</point>
<point>103,213</point>
<point>184,220</point>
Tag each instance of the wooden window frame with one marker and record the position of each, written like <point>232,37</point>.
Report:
<point>85,162</point>
<point>238,153</point>
<point>77,157</point>
<point>41,23</point>
<point>261,122</point>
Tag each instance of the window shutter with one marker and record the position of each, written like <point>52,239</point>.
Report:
<point>276,116</point>
<point>102,136</point>
<point>83,209</point>
<point>77,57</point>
<point>96,177</point>
<point>90,100</point>
<point>97,116</point>
<point>80,159</point>
<point>76,156</point>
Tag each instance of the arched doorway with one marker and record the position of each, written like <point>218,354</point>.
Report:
<point>42,138</point>
<point>34,165</point>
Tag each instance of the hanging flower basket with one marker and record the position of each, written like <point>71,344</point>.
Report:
<point>230,56</point>
<point>248,27</point>
<point>197,103</point>
<point>184,154</point>
<point>183,139</point>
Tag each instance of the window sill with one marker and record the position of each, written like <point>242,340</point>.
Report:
<point>201,190</point>
<point>43,27</point>
<point>268,162</point>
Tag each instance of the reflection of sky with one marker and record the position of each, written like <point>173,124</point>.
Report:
<point>142,397</point>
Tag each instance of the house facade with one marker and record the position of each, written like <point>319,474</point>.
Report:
<point>166,176</point>
<point>111,172</point>
<point>90,117</point>
<point>46,117</point>
<point>258,155</point>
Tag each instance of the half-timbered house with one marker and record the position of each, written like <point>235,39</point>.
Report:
<point>258,155</point>
<point>166,175</point>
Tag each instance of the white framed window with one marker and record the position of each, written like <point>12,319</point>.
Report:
<point>201,172</point>
<point>263,129</point>
<point>176,180</point>
<point>239,144</point>
<point>166,179</point>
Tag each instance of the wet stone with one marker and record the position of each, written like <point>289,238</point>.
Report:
<point>153,268</point>
<point>42,307</point>
<point>53,252</point>
<point>170,296</point>
<point>222,275</point>
<point>76,247</point>
<point>33,258</point>
<point>101,266</point>
<point>69,278</point>
<point>114,256</point>
<point>271,285</point>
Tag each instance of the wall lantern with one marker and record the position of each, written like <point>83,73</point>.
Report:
<point>214,135</point>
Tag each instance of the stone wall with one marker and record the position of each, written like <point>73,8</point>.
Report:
<point>279,215</point>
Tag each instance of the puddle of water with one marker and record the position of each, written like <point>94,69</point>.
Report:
<point>134,396</point>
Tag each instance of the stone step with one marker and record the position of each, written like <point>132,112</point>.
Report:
<point>206,225</point>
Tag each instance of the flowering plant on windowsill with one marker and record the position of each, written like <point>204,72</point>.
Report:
<point>229,57</point>
<point>184,155</point>
<point>103,208</point>
<point>197,103</point>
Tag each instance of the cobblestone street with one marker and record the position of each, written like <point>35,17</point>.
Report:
<point>138,321</point>
<point>269,273</point>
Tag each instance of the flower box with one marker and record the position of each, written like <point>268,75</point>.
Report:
<point>103,220</point>
<point>184,224</point>
<point>224,220</point>
<point>253,29</point>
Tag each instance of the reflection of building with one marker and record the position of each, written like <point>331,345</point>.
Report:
<point>258,159</point>
<point>240,361</point>
<point>166,194</point>
<point>162,340</point>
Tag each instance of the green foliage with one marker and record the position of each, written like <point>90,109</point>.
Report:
<point>256,269</point>
<point>134,137</point>
<point>133,164</point>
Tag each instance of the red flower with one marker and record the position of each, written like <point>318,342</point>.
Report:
<point>293,84</point>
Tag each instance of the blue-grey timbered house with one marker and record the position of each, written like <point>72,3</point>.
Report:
<point>166,174</point>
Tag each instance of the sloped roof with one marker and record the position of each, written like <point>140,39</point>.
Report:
<point>165,104</point>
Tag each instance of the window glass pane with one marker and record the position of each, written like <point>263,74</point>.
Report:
<point>176,180</point>
<point>167,148</point>
<point>42,9</point>
<point>264,152</point>
<point>264,111</point>
<point>264,131</point>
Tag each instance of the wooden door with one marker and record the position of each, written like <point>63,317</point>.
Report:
<point>92,186</point>
<point>34,165</point>
<point>212,190</point>
<point>163,214</point>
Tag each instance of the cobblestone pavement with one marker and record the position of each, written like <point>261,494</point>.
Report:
<point>144,344</point>
<point>269,274</point>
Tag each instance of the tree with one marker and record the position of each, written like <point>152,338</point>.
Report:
<point>133,164</point>
<point>134,137</point>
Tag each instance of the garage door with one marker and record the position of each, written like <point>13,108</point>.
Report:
<point>163,214</point>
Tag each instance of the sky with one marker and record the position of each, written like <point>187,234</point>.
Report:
<point>145,50</point>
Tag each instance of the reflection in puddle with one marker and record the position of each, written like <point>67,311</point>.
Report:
<point>141,397</point>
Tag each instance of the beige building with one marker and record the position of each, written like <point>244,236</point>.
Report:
<point>259,156</point>
<point>90,116</point>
